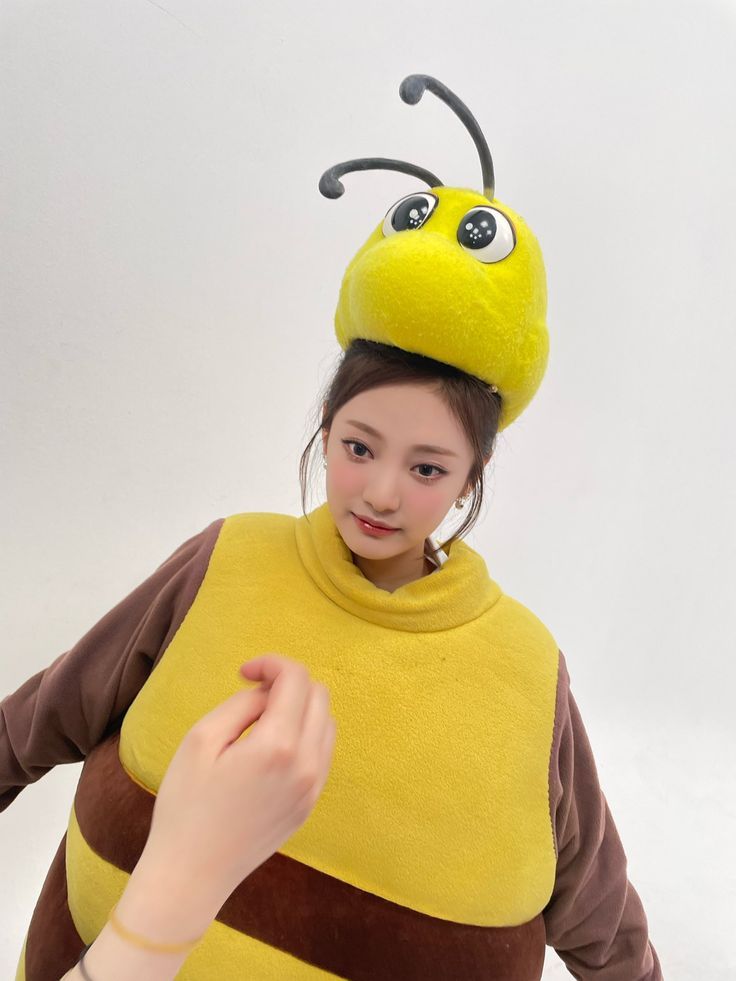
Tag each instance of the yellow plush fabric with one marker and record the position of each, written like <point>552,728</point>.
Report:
<point>421,291</point>
<point>444,696</point>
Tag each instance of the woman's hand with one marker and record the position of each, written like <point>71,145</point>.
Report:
<point>226,804</point>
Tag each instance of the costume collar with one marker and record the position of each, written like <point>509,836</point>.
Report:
<point>457,592</point>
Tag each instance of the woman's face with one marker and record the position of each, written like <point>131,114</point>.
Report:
<point>383,475</point>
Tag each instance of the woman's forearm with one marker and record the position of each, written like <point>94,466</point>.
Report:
<point>161,904</point>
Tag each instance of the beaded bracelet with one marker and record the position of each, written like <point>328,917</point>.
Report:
<point>136,939</point>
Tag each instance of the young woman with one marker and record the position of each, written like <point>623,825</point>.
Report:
<point>420,691</point>
<point>448,822</point>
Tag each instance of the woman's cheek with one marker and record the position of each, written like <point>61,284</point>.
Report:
<point>345,479</point>
<point>428,503</point>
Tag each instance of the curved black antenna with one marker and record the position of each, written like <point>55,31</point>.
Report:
<point>412,89</point>
<point>332,187</point>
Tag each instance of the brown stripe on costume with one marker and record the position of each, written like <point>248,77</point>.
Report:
<point>320,919</point>
<point>53,945</point>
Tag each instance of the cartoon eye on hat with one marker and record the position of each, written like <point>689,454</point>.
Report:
<point>449,273</point>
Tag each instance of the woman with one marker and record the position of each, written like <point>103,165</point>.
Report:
<point>158,900</point>
<point>455,826</point>
<point>196,855</point>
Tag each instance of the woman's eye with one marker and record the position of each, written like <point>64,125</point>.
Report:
<point>409,212</point>
<point>432,476</point>
<point>360,456</point>
<point>486,234</point>
<point>353,442</point>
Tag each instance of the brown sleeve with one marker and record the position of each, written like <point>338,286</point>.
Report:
<point>63,711</point>
<point>595,919</point>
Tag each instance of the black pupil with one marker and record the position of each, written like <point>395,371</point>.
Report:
<point>477,230</point>
<point>410,213</point>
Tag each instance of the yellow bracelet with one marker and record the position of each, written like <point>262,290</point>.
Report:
<point>139,941</point>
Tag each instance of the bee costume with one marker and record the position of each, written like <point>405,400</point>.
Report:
<point>462,828</point>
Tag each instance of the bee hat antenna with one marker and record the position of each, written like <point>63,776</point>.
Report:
<point>412,89</point>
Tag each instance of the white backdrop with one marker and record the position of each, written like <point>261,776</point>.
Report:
<point>168,280</point>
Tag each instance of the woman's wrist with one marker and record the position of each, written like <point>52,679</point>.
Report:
<point>165,902</point>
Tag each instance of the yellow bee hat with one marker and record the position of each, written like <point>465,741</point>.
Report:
<point>449,273</point>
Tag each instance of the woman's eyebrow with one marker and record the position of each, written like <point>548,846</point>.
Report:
<point>424,447</point>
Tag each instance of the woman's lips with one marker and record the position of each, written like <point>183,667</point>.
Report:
<point>372,529</point>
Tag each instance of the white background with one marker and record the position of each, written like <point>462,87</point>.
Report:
<point>167,287</point>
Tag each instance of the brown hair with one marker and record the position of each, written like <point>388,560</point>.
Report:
<point>369,364</point>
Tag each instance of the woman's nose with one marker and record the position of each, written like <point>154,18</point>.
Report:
<point>382,494</point>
